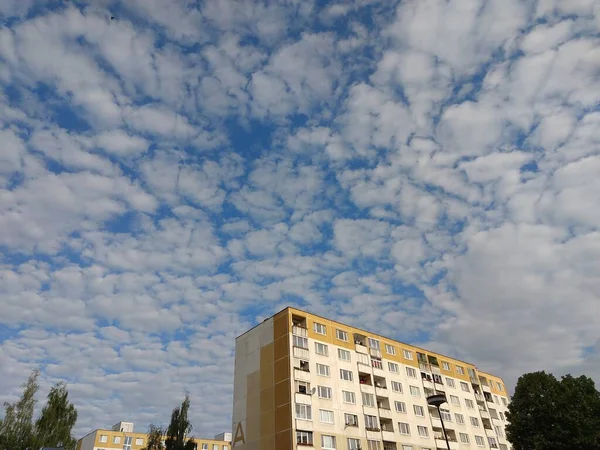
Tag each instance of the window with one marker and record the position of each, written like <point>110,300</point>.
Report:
<point>127,443</point>
<point>407,354</point>
<point>377,363</point>
<point>373,445</point>
<point>323,370</point>
<point>362,359</point>
<point>445,366</point>
<point>225,447</point>
<point>319,328</point>
<point>344,355</point>
<point>419,411</point>
<point>353,444</point>
<point>479,440</point>
<point>103,438</point>
<point>459,418</point>
<point>116,439</point>
<point>496,400</point>
<point>299,341</point>
<point>139,441</point>
<point>450,382</point>
<point>460,370</point>
<point>499,431</point>
<point>215,446</point>
<point>368,399</point>
<point>304,437</point>
<point>437,379</point>
<point>204,446</point>
<point>411,372</point>
<point>351,420</point>
<point>423,431</point>
<point>303,411</point>
<point>492,441</point>
<point>408,447</point>
<point>371,422</point>
<point>503,447</point>
<point>346,375</point>
<point>474,421</point>
<point>341,335</point>
<point>445,414</point>
<point>493,413</point>
<point>414,390</point>
<point>500,387</point>
<point>393,367</point>
<point>504,401</point>
<point>321,349</point>
<point>464,438</point>
<point>324,392</point>
<point>327,442</point>
<point>325,416</point>
<point>454,400</point>
<point>396,386</point>
<point>302,387</point>
<point>348,397</point>
<point>400,407</point>
<point>469,403</point>
<point>374,344</point>
<point>501,416</point>
<point>301,365</point>
<point>464,386</point>
<point>403,428</point>
<point>390,349</point>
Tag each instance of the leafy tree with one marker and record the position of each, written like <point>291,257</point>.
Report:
<point>548,414</point>
<point>57,419</point>
<point>16,429</point>
<point>179,428</point>
<point>154,441</point>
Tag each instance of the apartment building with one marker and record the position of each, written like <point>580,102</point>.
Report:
<point>304,381</point>
<point>122,437</point>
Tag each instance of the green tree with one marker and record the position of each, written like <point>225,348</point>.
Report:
<point>548,414</point>
<point>154,441</point>
<point>57,419</point>
<point>16,429</point>
<point>179,428</point>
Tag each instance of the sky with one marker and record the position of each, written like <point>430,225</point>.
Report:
<point>171,177</point>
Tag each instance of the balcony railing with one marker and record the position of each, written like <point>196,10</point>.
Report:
<point>299,331</point>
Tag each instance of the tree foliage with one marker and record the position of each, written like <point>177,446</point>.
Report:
<point>56,421</point>
<point>548,414</point>
<point>155,435</point>
<point>179,428</point>
<point>16,429</point>
<point>52,428</point>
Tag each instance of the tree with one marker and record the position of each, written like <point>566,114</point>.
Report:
<point>548,414</point>
<point>154,441</point>
<point>179,428</point>
<point>16,429</point>
<point>57,419</point>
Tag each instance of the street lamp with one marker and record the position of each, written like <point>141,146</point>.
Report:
<point>437,400</point>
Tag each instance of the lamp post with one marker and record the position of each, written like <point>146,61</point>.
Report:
<point>437,400</point>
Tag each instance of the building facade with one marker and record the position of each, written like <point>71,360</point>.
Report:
<point>122,437</point>
<point>302,381</point>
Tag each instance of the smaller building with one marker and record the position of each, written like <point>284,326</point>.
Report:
<point>122,437</point>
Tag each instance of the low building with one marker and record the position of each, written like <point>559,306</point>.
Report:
<point>122,437</point>
<point>303,381</point>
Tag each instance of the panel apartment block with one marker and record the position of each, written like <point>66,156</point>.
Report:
<point>307,382</point>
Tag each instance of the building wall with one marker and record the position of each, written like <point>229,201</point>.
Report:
<point>262,387</point>
<point>94,441</point>
<point>275,370</point>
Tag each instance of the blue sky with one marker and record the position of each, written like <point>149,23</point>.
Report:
<point>428,169</point>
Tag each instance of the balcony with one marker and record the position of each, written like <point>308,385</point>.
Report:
<point>389,446</point>
<point>489,432</point>
<point>304,425</point>
<point>437,423</point>
<point>381,391</point>
<point>361,349</point>
<point>441,443</point>
<point>484,414</point>
<point>385,413</point>
<point>486,388</point>
<point>375,353</point>
<point>367,388</point>
<point>303,398</point>
<point>302,353</point>
<point>301,375</point>
<point>387,435</point>
<point>299,331</point>
<point>479,397</point>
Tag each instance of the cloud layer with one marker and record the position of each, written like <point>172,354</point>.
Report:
<point>171,177</point>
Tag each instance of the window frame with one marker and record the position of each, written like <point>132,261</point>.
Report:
<point>317,326</point>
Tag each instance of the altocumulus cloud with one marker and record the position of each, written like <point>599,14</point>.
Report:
<point>167,179</point>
